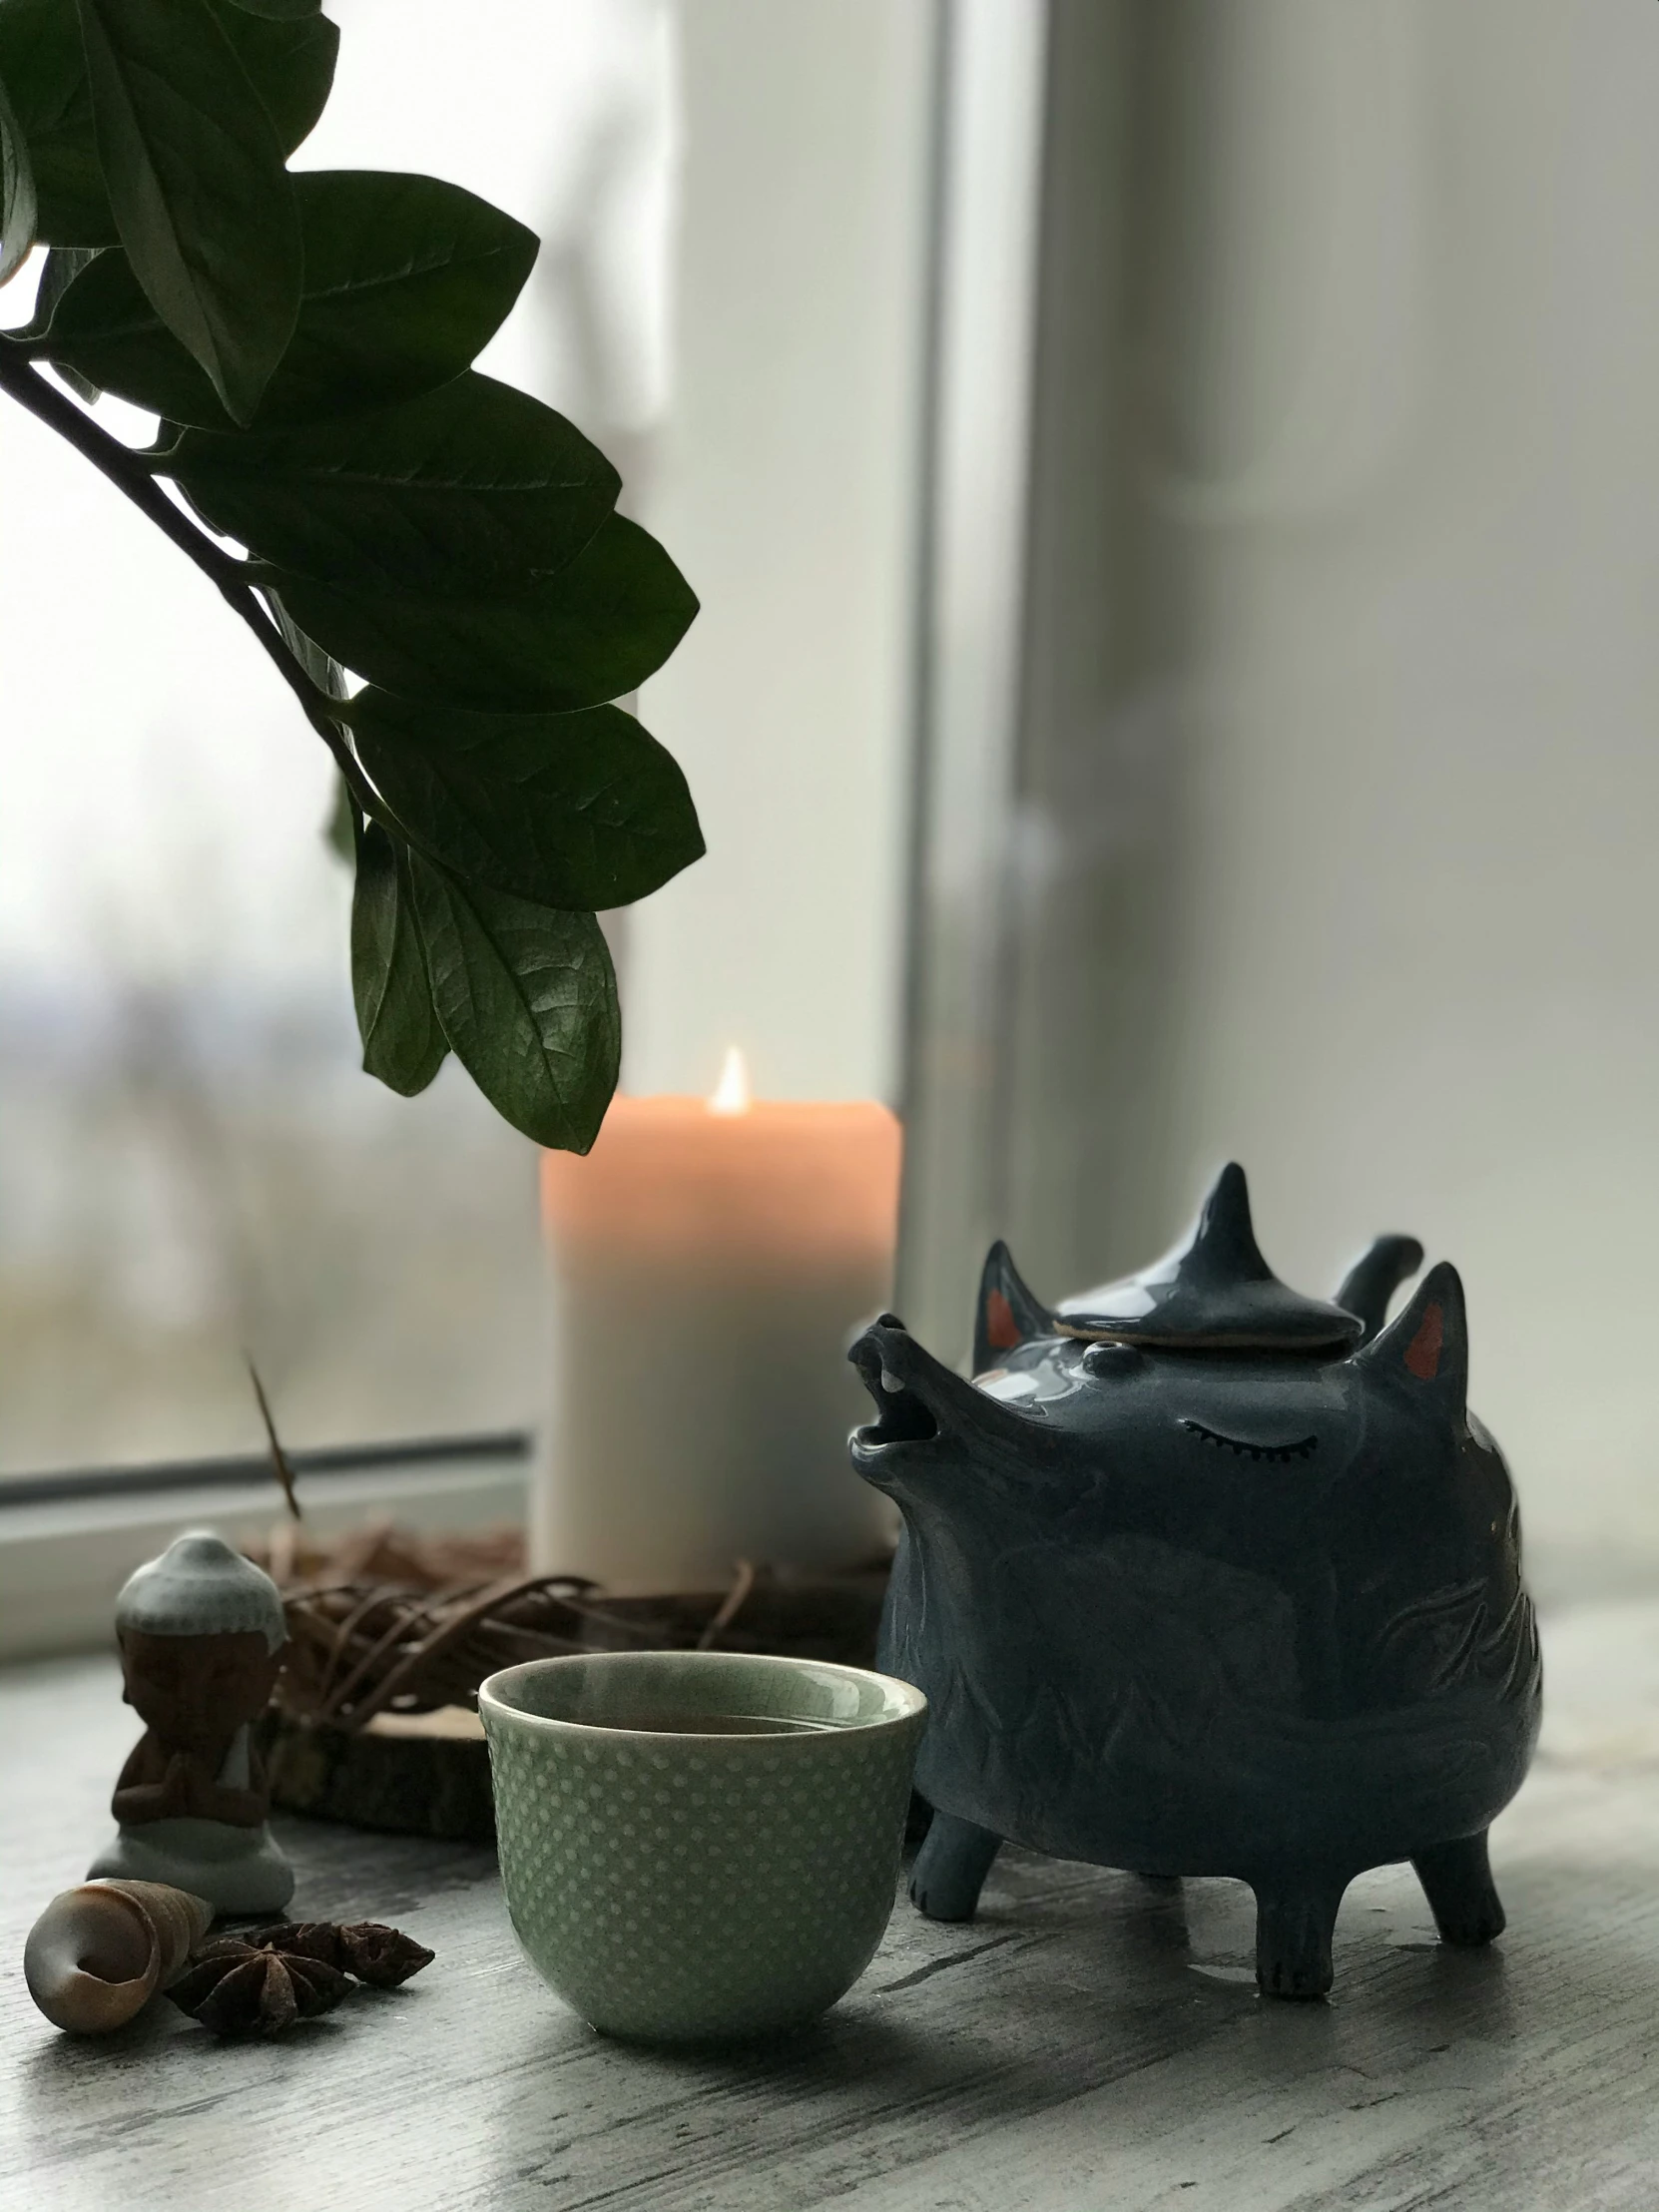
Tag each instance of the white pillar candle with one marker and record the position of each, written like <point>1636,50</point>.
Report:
<point>709,1260</point>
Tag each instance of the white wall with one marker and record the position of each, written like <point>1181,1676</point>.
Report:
<point>1335,764</point>
<point>1410,489</point>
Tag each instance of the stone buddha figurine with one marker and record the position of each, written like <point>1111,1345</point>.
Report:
<point>201,1631</point>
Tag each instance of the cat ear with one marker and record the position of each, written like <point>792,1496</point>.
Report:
<point>1007,1312</point>
<point>1373,1279</point>
<point>1426,1346</point>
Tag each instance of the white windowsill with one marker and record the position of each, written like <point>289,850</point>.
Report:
<point>62,1564</point>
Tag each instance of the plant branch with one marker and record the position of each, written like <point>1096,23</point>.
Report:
<point>130,472</point>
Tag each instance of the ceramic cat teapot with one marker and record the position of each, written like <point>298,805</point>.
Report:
<point>1205,1577</point>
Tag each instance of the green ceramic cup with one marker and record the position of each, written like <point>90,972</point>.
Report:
<point>699,1845</point>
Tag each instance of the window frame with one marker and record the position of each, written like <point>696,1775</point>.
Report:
<point>68,1541</point>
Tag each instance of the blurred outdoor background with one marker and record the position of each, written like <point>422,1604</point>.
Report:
<point>1173,489</point>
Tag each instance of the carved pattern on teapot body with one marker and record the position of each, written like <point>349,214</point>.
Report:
<point>1204,1577</point>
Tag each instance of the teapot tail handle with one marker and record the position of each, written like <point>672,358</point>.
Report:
<point>1373,1279</point>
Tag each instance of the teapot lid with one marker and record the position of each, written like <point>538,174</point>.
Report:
<point>1215,1292</point>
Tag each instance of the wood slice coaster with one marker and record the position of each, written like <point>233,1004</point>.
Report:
<point>411,1774</point>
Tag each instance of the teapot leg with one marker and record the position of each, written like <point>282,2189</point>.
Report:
<point>952,1866</point>
<point>1294,1926</point>
<point>1457,1881</point>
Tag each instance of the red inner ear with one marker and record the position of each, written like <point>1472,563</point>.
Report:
<point>1002,1328</point>
<point>1422,1354</point>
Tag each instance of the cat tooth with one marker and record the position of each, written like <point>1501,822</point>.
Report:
<point>890,1382</point>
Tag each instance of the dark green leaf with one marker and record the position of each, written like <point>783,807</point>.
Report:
<point>527,998</point>
<point>195,173</point>
<point>82,387</point>
<point>596,630</point>
<point>45,75</point>
<point>62,266</point>
<point>291,59</point>
<point>340,831</point>
<point>474,486</point>
<point>322,669</point>
<point>17,193</point>
<point>63,263</point>
<point>402,1042</point>
<point>406,280</point>
<point>279,11</point>
<point>582,810</point>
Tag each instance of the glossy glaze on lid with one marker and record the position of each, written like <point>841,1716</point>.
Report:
<point>1214,1291</point>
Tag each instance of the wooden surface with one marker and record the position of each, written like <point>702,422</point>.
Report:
<point>1090,2042</point>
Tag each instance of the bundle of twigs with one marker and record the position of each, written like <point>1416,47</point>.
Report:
<point>389,1622</point>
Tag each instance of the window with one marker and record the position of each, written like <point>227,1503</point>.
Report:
<point>192,1166</point>
<point>1205,454</point>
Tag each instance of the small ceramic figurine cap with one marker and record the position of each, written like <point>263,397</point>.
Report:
<point>1215,1292</point>
<point>201,1587</point>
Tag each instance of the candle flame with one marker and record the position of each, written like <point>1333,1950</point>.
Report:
<point>731,1094</point>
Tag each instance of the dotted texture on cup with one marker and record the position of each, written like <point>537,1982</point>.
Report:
<point>706,1893</point>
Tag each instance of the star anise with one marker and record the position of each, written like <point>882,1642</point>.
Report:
<point>382,1957</point>
<point>261,1984</point>
<point>242,1988</point>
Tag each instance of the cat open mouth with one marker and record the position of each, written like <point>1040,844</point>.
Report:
<point>902,1415</point>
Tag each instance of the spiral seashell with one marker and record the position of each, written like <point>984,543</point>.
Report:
<point>97,1953</point>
